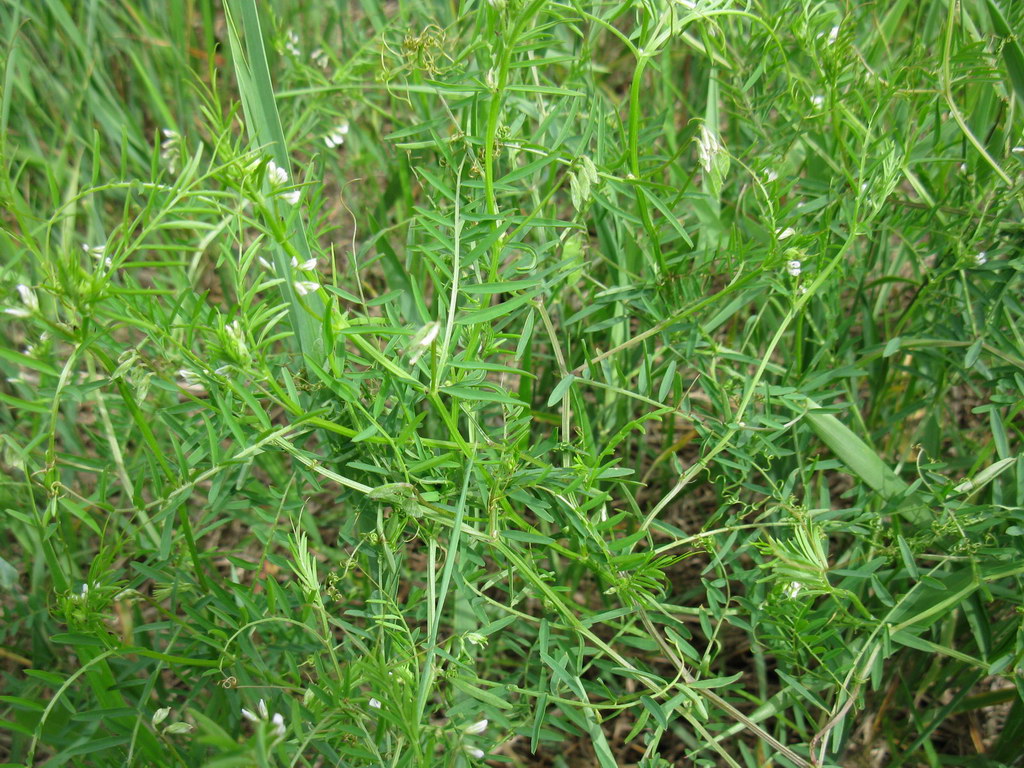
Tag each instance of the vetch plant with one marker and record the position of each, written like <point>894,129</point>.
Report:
<point>489,436</point>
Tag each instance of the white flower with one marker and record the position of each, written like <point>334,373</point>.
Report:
<point>708,146</point>
<point>770,175</point>
<point>793,267</point>
<point>262,715</point>
<point>279,727</point>
<point>792,589</point>
<point>276,175</point>
<point>432,331</point>
<point>98,252</point>
<point>476,638</point>
<point>1018,150</point>
<point>783,234</point>
<point>421,342</point>
<point>980,258</point>
<point>475,752</point>
<point>84,592</point>
<point>291,43</point>
<point>189,378</point>
<point>170,149</point>
<point>292,197</point>
<point>337,136</point>
<point>265,264</point>
<point>833,35</point>
<point>305,287</point>
<point>28,297</point>
<point>476,728</point>
<point>320,58</point>
<point>236,340</point>
<point>17,312</point>
<point>308,265</point>
<point>159,716</point>
<point>374,703</point>
<point>817,100</point>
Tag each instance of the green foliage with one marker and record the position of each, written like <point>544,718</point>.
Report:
<point>427,383</point>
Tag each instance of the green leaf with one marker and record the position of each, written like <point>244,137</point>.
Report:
<point>8,575</point>
<point>479,694</point>
<point>527,537</point>
<point>1013,56</point>
<point>655,710</point>
<point>487,314</point>
<point>861,460</point>
<point>986,476</point>
<point>560,389</point>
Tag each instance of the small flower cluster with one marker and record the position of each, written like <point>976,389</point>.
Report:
<point>291,43</point>
<point>235,344</point>
<point>475,729</point>
<point>261,715</point>
<point>308,265</point>
<point>980,258</point>
<point>337,136</point>
<point>189,379</point>
<point>278,177</point>
<point>170,150</point>
<point>708,147</point>
<point>320,59</point>
<point>99,253</point>
<point>302,287</point>
<point>83,594</point>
